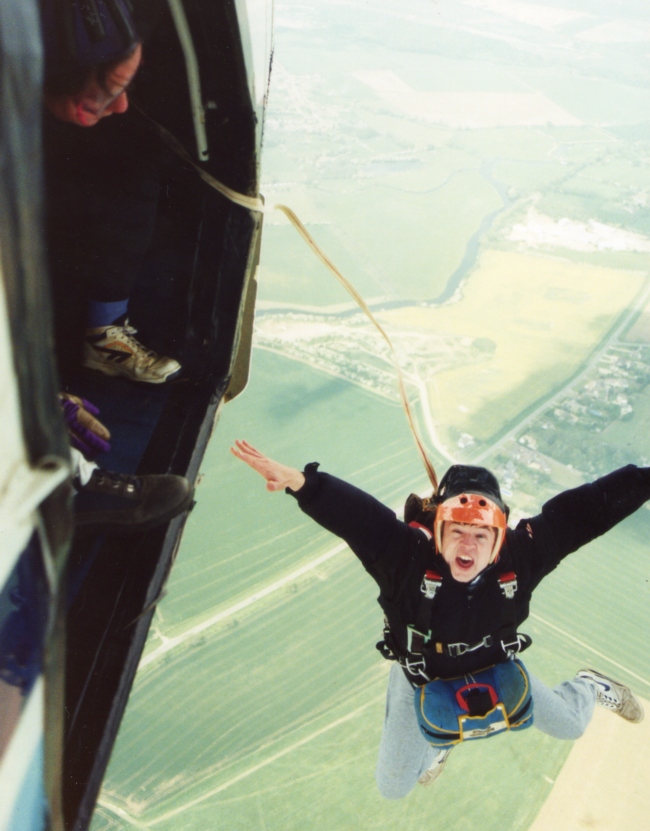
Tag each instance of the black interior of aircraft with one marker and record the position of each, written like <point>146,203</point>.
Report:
<point>189,301</point>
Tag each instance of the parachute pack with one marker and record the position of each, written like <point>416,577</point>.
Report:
<point>475,706</point>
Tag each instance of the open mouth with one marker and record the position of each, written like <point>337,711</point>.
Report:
<point>464,563</point>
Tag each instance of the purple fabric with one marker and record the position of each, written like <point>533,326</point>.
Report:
<point>87,442</point>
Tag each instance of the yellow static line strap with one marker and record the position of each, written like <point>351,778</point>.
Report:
<point>256,203</point>
<point>304,233</point>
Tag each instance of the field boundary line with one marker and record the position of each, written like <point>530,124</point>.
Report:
<point>171,643</point>
<point>250,771</point>
<point>122,813</point>
<point>590,648</point>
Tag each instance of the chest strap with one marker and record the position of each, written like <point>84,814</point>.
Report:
<point>419,645</point>
<point>512,642</point>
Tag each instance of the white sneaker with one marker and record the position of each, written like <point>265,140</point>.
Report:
<point>614,696</point>
<point>435,770</point>
<point>114,351</point>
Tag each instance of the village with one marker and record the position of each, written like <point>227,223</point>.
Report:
<point>607,394</point>
<point>350,348</point>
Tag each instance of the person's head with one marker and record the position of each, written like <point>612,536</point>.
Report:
<point>471,520</point>
<point>92,53</point>
<point>103,92</point>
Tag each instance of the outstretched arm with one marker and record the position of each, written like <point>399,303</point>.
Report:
<point>370,529</point>
<point>580,515</point>
<point>278,476</point>
<point>577,516</point>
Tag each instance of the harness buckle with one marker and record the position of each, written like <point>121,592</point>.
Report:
<point>415,640</point>
<point>517,644</point>
<point>508,584</point>
<point>455,650</point>
<point>431,582</point>
<point>415,667</point>
<point>511,648</point>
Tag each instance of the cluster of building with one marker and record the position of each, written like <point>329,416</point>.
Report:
<point>607,395</point>
<point>352,349</point>
<point>349,350</point>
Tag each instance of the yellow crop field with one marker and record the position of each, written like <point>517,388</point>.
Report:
<point>545,316</point>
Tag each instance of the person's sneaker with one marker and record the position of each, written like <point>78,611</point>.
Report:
<point>431,774</point>
<point>614,696</point>
<point>114,351</point>
<point>121,502</point>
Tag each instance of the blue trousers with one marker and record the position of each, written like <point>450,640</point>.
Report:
<point>404,754</point>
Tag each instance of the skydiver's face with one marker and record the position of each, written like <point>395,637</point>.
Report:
<point>96,101</point>
<point>467,549</point>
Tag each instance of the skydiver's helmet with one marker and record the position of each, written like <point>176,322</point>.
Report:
<point>471,495</point>
<point>80,34</point>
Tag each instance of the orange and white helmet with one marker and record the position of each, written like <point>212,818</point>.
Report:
<point>471,495</point>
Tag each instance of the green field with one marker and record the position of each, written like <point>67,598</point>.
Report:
<point>546,315</point>
<point>632,437</point>
<point>272,717</point>
<point>238,536</point>
<point>260,700</point>
<point>593,100</point>
<point>414,237</point>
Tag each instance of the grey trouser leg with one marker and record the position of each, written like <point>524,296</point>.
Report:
<point>404,754</point>
<point>564,711</point>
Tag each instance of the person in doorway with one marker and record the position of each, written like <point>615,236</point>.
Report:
<point>102,186</point>
<point>455,585</point>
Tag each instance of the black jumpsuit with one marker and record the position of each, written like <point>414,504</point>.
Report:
<point>397,556</point>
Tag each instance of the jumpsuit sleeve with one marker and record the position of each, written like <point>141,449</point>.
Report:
<point>371,529</point>
<point>577,516</point>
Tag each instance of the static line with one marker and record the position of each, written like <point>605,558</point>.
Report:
<point>250,771</point>
<point>590,648</point>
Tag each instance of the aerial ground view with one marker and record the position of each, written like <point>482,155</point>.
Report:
<point>479,169</point>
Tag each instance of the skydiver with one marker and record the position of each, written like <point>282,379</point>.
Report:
<point>454,589</point>
<point>103,185</point>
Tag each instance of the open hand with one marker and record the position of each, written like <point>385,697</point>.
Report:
<point>278,476</point>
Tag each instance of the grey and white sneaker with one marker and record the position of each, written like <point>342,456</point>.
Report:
<point>431,774</point>
<point>614,696</point>
<point>114,351</point>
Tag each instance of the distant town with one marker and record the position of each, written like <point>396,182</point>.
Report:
<point>605,393</point>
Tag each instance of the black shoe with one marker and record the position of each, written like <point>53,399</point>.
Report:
<point>123,503</point>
